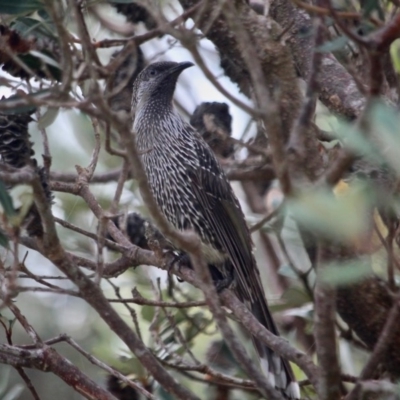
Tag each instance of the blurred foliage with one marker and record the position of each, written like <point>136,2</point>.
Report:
<point>330,216</point>
<point>5,201</point>
<point>20,6</point>
<point>6,392</point>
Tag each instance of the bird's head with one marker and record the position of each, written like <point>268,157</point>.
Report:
<point>157,83</point>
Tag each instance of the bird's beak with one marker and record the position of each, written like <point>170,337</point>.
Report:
<point>177,69</point>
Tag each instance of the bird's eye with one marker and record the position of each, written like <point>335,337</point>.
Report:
<point>152,72</point>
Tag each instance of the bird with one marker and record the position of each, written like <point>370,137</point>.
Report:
<point>193,193</point>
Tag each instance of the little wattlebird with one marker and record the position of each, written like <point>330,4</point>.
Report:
<point>193,192</point>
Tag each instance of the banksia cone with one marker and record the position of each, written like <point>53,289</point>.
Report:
<point>16,151</point>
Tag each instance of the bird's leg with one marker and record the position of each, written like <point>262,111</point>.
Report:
<point>224,283</point>
<point>182,259</point>
<point>177,257</point>
<point>221,281</point>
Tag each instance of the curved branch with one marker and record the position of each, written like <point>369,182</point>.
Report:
<point>47,359</point>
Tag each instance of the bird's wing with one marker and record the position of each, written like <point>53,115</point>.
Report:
<point>223,213</point>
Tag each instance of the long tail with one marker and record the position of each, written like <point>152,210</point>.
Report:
<point>277,370</point>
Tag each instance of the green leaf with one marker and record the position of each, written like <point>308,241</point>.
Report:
<point>35,60</point>
<point>5,200</point>
<point>15,392</point>
<point>23,108</point>
<point>163,394</point>
<point>122,1</point>
<point>334,45</point>
<point>355,140</point>
<point>22,198</point>
<point>370,6</point>
<point>44,15</point>
<point>4,377</point>
<point>338,217</point>
<point>3,243</point>
<point>48,118</point>
<point>395,55</point>
<point>296,297</point>
<point>20,6</point>
<point>385,122</point>
<point>305,312</point>
<point>345,274</point>
<point>330,145</point>
<point>11,323</point>
<point>27,26</point>
<point>288,271</point>
<point>46,59</point>
<point>147,313</point>
<point>293,297</point>
<point>135,367</point>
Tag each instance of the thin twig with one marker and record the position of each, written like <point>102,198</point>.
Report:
<point>324,329</point>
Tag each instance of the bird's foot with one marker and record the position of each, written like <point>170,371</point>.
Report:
<point>221,280</point>
<point>179,258</point>
<point>223,283</point>
<point>182,259</point>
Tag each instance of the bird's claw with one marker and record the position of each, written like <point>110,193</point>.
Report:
<point>179,258</point>
<point>223,283</point>
<point>182,259</point>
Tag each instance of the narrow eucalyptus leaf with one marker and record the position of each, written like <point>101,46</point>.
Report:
<point>19,6</point>
<point>48,118</point>
<point>6,201</point>
<point>122,1</point>
<point>288,271</point>
<point>23,106</point>
<point>334,45</point>
<point>343,275</point>
<point>163,394</point>
<point>3,243</point>
<point>4,376</point>
<point>15,392</point>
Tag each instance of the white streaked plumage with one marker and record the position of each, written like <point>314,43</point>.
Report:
<point>193,192</point>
